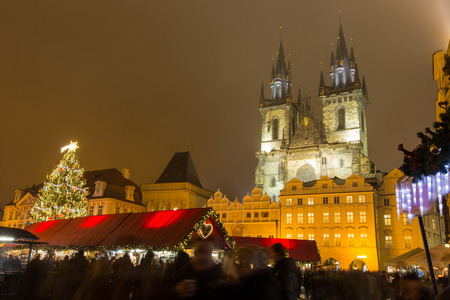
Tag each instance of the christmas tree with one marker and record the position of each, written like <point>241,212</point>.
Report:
<point>63,195</point>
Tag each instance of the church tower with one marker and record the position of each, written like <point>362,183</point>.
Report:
<point>344,102</point>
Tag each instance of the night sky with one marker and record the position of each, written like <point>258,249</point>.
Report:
<point>136,81</point>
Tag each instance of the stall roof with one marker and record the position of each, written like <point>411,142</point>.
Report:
<point>161,229</point>
<point>403,259</point>
<point>300,250</point>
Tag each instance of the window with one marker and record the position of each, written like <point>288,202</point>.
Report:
<point>337,217</point>
<point>275,123</point>
<point>310,201</point>
<point>407,241</point>
<point>259,235</point>
<point>326,240</point>
<point>386,202</point>
<point>326,218</point>
<point>224,216</point>
<point>256,215</point>
<point>311,236</point>
<point>388,239</point>
<point>362,198</point>
<point>289,201</point>
<point>336,200</point>
<point>299,218</point>
<point>289,236</point>
<point>299,201</point>
<point>405,219</point>
<point>310,218</point>
<point>363,239</point>
<point>100,210</point>
<point>300,236</point>
<point>433,223</point>
<point>271,236</point>
<point>265,214</point>
<point>273,182</point>
<point>337,239</point>
<point>341,162</point>
<point>91,210</point>
<point>387,220</point>
<point>324,185</point>
<point>351,239</point>
<point>129,192</point>
<point>294,187</point>
<point>349,217</point>
<point>117,210</point>
<point>16,215</point>
<point>125,209</point>
<point>288,218</point>
<point>11,215</point>
<point>349,199</point>
<point>354,184</point>
<point>341,118</point>
<point>249,215</point>
<point>325,200</point>
<point>362,217</point>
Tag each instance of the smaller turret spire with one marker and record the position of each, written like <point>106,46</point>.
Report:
<point>364,88</point>
<point>299,99</point>
<point>262,92</point>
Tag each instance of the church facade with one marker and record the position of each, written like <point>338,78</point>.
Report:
<point>295,143</point>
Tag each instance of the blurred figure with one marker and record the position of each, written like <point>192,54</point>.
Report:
<point>286,272</point>
<point>262,259</point>
<point>200,278</point>
<point>413,289</point>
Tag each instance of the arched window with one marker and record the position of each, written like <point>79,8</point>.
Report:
<point>362,121</point>
<point>273,182</point>
<point>341,118</point>
<point>275,125</point>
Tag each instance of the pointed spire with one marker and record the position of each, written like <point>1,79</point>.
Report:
<point>332,61</point>
<point>352,54</point>
<point>273,69</point>
<point>262,92</point>
<point>364,88</point>
<point>341,43</point>
<point>299,99</point>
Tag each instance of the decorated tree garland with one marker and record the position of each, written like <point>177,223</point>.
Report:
<point>432,155</point>
<point>63,195</point>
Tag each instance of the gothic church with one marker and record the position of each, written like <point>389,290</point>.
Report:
<point>296,144</point>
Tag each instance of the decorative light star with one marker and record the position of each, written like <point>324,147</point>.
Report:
<point>71,147</point>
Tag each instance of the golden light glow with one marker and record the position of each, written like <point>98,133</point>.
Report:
<point>71,147</point>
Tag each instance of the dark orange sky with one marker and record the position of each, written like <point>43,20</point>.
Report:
<point>136,81</point>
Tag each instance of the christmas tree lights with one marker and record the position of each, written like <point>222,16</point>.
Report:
<point>63,195</point>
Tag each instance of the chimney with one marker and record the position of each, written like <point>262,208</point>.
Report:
<point>126,172</point>
<point>379,178</point>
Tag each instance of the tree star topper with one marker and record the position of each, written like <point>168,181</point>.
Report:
<point>71,147</point>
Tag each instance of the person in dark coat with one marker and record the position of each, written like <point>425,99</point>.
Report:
<point>286,272</point>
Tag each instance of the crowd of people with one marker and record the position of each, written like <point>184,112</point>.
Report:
<point>243,274</point>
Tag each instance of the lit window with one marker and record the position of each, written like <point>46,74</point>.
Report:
<point>310,218</point>
<point>91,210</point>
<point>351,239</point>
<point>300,201</point>
<point>349,199</point>
<point>362,217</point>
<point>405,219</point>
<point>387,220</point>
<point>386,202</point>
<point>300,218</point>
<point>300,236</point>
<point>326,218</point>
<point>337,217</point>
<point>337,239</point>
<point>433,223</point>
<point>310,201</point>
<point>289,236</point>
<point>100,210</point>
<point>363,239</point>
<point>350,217</point>
<point>289,201</point>
<point>362,198</point>
<point>325,200</point>
<point>388,239</point>
<point>336,200</point>
<point>311,236</point>
<point>407,241</point>
<point>326,240</point>
<point>288,218</point>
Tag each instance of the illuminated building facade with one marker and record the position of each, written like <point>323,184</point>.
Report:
<point>441,73</point>
<point>295,144</point>
<point>110,192</point>
<point>178,187</point>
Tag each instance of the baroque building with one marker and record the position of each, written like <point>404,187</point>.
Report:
<point>295,143</point>
<point>110,192</point>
